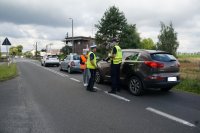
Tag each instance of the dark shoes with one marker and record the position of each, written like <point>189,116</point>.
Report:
<point>118,90</point>
<point>92,90</point>
<point>112,92</point>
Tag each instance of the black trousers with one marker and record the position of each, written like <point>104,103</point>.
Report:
<point>115,77</point>
<point>92,79</point>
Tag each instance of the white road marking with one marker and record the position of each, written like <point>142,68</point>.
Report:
<point>97,88</point>
<point>56,72</point>
<point>170,116</point>
<point>75,79</point>
<point>117,96</point>
<point>63,75</point>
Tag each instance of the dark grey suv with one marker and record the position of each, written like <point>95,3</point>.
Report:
<point>143,69</point>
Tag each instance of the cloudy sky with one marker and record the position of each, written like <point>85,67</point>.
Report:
<point>47,21</point>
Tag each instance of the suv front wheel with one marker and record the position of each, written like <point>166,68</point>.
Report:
<point>135,86</point>
<point>98,78</point>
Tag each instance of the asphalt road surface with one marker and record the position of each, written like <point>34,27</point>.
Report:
<point>45,100</point>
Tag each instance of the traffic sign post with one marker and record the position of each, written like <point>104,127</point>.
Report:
<point>7,43</point>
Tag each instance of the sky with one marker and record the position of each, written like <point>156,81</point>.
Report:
<point>26,22</point>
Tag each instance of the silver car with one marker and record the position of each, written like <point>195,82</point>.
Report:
<point>71,63</point>
<point>50,60</point>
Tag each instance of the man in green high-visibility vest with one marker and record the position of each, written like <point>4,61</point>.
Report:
<point>92,65</point>
<point>116,60</point>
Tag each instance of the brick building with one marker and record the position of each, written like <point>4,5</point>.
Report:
<point>80,43</point>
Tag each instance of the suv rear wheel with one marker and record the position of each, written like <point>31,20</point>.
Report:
<point>135,86</point>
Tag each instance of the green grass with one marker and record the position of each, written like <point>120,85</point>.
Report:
<point>189,56</point>
<point>8,72</point>
<point>189,85</point>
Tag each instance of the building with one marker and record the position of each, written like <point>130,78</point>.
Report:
<point>80,43</point>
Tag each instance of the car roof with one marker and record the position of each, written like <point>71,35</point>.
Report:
<point>144,51</point>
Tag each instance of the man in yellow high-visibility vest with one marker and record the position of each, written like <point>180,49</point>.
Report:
<point>92,65</point>
<point>116,60</point>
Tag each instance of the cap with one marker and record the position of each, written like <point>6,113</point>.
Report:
<point>93,46</point>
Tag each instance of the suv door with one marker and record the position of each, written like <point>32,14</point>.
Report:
<point>130,64</point>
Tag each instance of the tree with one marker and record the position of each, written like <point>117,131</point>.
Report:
<point>111,26</point>
<point>28,54</point>
<point>13,51</point>
<point>167,40</point>
<point>66,50</point>
<point>129,38</point>
<point>16,50</point>
<point>19,48</point>
<point>147,43</point>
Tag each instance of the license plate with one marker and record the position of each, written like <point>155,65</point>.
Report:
<point>171,79</point>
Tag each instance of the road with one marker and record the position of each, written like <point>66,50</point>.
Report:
<point>45,100</point>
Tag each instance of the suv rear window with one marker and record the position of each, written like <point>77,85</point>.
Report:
<point>164,57</point>
<point>76,57</point>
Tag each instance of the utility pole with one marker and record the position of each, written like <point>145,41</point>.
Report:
<point>0,48</point>
<point>73,47</point>
<point>36,51</point>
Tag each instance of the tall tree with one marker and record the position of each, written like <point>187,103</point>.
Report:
<point>19,48</point>
<point>129,38</point>
<point>13,51</point>
<point>167,40</point>
<point>111,26</point>
<point>66,50</point>
<point>16,50</point>
<point>147,43</point>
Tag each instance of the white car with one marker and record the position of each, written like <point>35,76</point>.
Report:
<point>50,60</point>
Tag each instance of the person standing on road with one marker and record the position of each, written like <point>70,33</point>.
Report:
<point>83,66</point>
<point>116,60</point>
<point>91,65</point>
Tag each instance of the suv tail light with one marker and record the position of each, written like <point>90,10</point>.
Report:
<point>72,63</point>
<point>178,64</point>
<point>154,64</point>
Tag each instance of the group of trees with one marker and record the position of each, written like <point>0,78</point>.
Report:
<point>113,24</point>
<point>16,50</point>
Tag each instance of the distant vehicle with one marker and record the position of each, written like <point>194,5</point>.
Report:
<point>48,60</point>
<point>71,63</point>
<point>143,69</point>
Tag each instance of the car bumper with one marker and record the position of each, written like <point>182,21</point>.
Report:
<point>76,69</point>
<point>161,83</point>
<point>52,63</point>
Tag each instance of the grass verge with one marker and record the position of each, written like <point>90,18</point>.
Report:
<point>190,74</point>
<point>7,73</point>
<point>189,85</point>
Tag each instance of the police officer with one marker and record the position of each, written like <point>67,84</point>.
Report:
<point>116,60</point>
<point>91,65</point>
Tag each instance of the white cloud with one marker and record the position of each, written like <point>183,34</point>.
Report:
<point>26,21</point>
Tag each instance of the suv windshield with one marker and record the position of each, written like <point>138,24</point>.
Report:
<point>163,57</point>
<point>76,57</point>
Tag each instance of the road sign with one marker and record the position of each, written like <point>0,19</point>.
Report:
<point>6,42</point>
